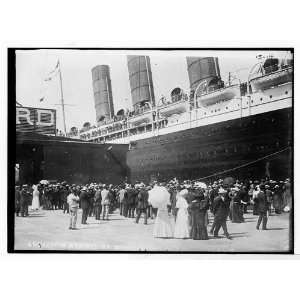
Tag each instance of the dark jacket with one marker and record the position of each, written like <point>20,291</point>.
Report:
<point>262,203</point>
<point>25,197</point>
<point>142,199</point>
<point>17,197</point>
<point>277,200</point>
<point>63,195</point>
<point>221,208</point>
<point>243,195</point>
<point>131,196</point>
<point>97,198</point>
<point>84,200</point>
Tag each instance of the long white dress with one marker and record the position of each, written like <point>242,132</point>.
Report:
<point>35,199</point>
<point>160,198</point>
<point>182,222</point>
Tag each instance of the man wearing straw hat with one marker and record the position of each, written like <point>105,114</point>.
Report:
<point>220,211</point>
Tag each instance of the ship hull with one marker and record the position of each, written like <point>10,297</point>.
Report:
<point>206,150</point>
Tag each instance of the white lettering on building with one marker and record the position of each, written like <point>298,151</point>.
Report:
<point>23,113</point>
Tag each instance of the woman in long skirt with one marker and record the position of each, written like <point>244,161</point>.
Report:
<point>277,200</point>
<point>198,209</point>
<point>287,196</point>
<point>35,198</point>
<point>181,230</point>
<point>159,197</point>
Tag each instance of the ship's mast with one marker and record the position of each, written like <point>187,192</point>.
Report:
<point>62,97</point>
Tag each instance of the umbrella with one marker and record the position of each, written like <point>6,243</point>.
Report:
<point>201,185</point>
<point>44,181</point>
<point>228,181</point>
<point>159,196</point>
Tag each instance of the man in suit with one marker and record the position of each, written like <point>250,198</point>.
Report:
<point>25,200</point>
<point>84,204</point>
<point>131,199</point>
<point>221,211</point>
<point>64,195</point>
<point>73,204</point>
<point>91,194</point>
<point>262,207</point>
<point>97,203</point>
<point>105,195</point>
<point>122,199</point>
<point>142,203</point>
<point>17,200</point>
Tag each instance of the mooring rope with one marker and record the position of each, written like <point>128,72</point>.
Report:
<point>244,165</point>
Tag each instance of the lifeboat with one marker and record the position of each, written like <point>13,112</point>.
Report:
<point>272,72</point>
<point>144,117</point>
<point>223,94</point>
<point>178,104</point>
<point>263,82</point>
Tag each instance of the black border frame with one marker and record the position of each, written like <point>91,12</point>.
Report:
<point>11,150</point>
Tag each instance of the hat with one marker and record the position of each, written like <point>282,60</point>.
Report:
<point>222,191</point>
<point>84,188</point>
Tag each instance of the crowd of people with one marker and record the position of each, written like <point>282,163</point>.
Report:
<point>180,209</point>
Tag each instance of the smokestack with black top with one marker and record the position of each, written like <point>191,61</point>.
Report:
<point>102,93</point>
<point>203,69</point>
<point>140,77</point>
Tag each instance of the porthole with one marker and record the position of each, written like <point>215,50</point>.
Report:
<point>271,96</point>
<point>226,107</point>
<point>261,99</point>
<point>286,92</point>
<point>251,101</point>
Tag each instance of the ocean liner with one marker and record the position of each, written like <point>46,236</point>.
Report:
<point>242,129</point>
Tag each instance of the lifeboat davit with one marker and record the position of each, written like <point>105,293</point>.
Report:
<point>272,72</point>
<point>263,82</point>
<point>177,105</point>
<point>223,94</point>
<point>144,117</point>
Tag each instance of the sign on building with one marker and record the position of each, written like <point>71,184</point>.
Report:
<point>38,120</point>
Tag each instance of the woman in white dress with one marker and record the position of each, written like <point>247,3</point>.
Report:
<point>159,198</point>
<point>35,198</point>
<point>182,221</point>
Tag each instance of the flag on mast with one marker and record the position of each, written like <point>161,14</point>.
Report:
<point>50,76</point>
<point>52,73</point>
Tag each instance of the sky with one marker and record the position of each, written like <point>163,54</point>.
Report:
<point>169,70</point>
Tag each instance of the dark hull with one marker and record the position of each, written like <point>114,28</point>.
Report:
<point>203,151</point>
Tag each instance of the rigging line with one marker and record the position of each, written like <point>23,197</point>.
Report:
<point>244,165</point>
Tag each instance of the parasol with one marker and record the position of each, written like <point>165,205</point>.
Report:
<point>201,185</point>
<point>159,196</point>
<point>228,181</point>
<point>44,181</point>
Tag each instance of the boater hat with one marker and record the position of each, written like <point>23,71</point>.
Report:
<point>222,191</point>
